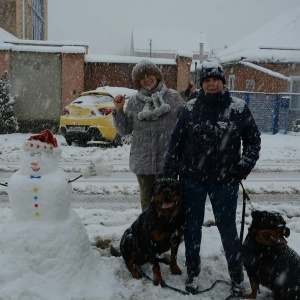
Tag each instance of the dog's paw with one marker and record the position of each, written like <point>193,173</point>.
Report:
<point>249,296</point>
<point>136,274</point>
<point>175,270</point>
<point>159,281</point>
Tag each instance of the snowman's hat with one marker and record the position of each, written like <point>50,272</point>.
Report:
<point>44,141</point>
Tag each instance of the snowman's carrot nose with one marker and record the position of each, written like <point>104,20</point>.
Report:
<point>34,163</point>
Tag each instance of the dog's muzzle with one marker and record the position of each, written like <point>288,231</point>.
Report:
<point>165,185</point>
<point>273,237</point>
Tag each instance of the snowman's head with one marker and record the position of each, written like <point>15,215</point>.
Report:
<point>40,154</point>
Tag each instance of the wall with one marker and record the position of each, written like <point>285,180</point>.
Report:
<point>183,77</point>
<point>8,16</point>
<point>72,74</point>
<point>36,80</point>
<point>119,74</point>
<point>4,62</point>
<point>263,82</point>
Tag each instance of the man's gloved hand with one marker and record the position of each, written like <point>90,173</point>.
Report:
<point>238,172</point>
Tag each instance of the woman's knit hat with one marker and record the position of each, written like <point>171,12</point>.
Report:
<point>211,68</point>
<point>143,68</point>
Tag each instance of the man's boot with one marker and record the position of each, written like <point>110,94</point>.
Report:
<point>193,271</point>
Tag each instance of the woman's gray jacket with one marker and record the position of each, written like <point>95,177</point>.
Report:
<point>150,138</point>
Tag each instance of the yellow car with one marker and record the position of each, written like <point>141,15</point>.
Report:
<point>88,119</point>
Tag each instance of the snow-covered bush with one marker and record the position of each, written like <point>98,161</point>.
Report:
<point>8,121</point>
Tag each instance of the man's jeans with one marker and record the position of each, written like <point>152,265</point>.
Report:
<point>223,199</point>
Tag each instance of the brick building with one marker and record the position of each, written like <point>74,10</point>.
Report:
<point>26,19</point>
<point>268,60</point>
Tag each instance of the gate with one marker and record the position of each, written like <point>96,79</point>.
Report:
<point>272,112</point>
<point>36,83</point>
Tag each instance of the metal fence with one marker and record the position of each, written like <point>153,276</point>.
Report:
<point>272,112</point>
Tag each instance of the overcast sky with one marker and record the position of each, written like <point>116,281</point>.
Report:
<point>107,24</point>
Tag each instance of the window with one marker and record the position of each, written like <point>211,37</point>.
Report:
<point>231,82</point>
<point>295,88</point>
<point>250,85</point>
<point>38,19</point>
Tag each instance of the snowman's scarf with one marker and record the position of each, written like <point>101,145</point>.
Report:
<point>154,104</point>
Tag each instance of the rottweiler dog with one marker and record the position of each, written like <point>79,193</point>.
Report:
<point>268,259</point>
<point>158,229</point>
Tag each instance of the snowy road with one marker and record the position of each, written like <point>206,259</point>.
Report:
<point>270,182</point>
<point>122,177</point>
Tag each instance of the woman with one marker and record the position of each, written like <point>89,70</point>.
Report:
<point>205,151</point>
<point>150,116</point>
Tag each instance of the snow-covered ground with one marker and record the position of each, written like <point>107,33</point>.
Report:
<point>109,279</point>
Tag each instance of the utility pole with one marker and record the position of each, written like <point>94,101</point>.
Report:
<point>201,52</point>
<point>150,46</point>
<point>23,19</point>
<point>195,75</point>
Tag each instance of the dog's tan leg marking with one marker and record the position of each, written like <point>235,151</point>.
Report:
<point>254,288</point>
<point>157,278</point>
<point>133,270</point>
<point>175,270</point>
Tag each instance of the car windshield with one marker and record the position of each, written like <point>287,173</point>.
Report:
<point>92,99</point>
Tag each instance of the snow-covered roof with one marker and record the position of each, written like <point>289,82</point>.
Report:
<point>126,59</point>
<point>10,42</point>
<point>44,49</point>
<point>168,41</point>
<point>277,40</point>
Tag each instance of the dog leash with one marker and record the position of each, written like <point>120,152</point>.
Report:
<point>245,199</point>
<point>137,263</point>
<point>184,292</point>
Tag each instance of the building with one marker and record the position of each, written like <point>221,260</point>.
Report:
<point>267,60</point>
<point>167,43</point>
<point>263,68</point>
<point>26,19</point>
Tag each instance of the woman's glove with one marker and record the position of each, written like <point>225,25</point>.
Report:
<point>238,172</point>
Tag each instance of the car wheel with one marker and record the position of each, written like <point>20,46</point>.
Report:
<point>117,141</point>
<point>69,141</point>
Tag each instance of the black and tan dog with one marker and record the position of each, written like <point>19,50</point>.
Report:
<point>158,229</point>
<point>268,259</point>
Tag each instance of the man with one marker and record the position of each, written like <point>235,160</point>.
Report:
<point>205,151</point>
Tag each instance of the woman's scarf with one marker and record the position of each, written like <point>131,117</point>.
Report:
<point>154,103</point>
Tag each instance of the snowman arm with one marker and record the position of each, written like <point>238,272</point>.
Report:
<point>71,180</point>
<point>97,168</point>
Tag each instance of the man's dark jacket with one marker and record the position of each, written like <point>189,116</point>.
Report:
<point>213,133</point>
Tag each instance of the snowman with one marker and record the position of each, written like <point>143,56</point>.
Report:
<point>40,190</point>
<point>44,240</point>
